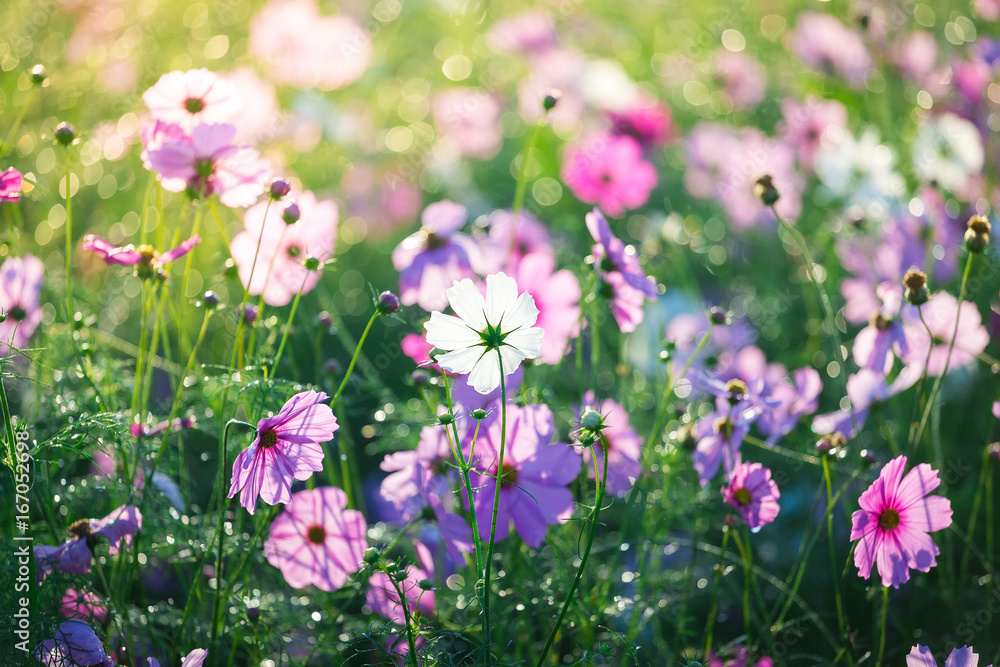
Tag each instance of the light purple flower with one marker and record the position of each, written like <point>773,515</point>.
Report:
<point>75,643</point>
<point>509,239</point>
<point>611,254</point>
<point>893,523</point>
<point>468,122</point>
<point>796,399</point>
<point>535,474</point>
<point>609,171</point>
<point>316,540</point>
<point>288,447</point>
<point>885,334</point>
<point>753,493</point>
<point>384,599</point>
<point>720,435</point>
<point>921,656</point>
<point>939,314</point>
<point>210,163</point>
<point>626,301</point>
<point>531,31</point>
<point>11,182</point>
<point>804,124</point>
<point>419,474</point>
<point>432,259</point>
<point>822,42</point>
<point>191,98</point>
<point>742,78</point>
<point>73,557</point>
<point>624,446</point>
<point>20,287</point>
<point>195,658</point>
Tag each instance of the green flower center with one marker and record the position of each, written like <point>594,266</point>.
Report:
<point>493,338</point>
<point>204,167</point>
<point>316,534</point>
<point>268,439</point>
<point>888,519</point>
<point>742,497</point>
<point>194,105</point>
<point>17,313</point>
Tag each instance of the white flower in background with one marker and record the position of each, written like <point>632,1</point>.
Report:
<point>502,321</point>
<point>948,151</point>
<point>861,172</point>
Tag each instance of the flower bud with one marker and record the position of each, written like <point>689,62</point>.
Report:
<point>65,134</point>
<point>426,584</point>
<point>372,555</point>
<point>419,378</point>
<point>249,313</point>
<point>311,264</point>
<point>591,420</point>
<point>446,419</point>
<point>387,303</point>
<point>230,269</point>
<point>977,235</point>
<point>324,319</point>
<point>38,74</point>
<point>253,613</point>
<point>994,450</point>
<point>278,188</point>
<point>331,367</point>
<point>718,316</point>
<point>210,300</point>
<point>551,99</point>
<point>479,414</point>
<point>765,190</point>
<point>291,214</point>
<point>830,443</point>
<point>685,437</point>
<point>867,457</point>
<point>916,287</point>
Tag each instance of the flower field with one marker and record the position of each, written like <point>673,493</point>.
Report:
<point>466,333</point>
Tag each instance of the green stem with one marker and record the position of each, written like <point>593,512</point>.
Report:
<point>496,506</point>
<point>188,264</point>
<point>238,348</point>
<point>984,470</point>
<point>601,486</point>
<point>841,622</point>
<point>9,141</point>
<point>714,608</point>
<point>885,623</point>
<point>522,176</point>
<point>354,359</point>
<point>411,644</point>
<point>947,359</point>
<point>747,559</point>
<point>288,325</point>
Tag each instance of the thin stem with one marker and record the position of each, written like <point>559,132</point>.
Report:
<point>923,378</point>
<point>496,507</point>
<point>188,264</point>
<point>714,608</point>
<point>412,656</point>
<point>841,623</point>
<point>354,359</point>
<point>9,141</point>
<point>984,470</point>
<point>747,560</point>
<point>288,325</point>
<point>885,623</point>
<point>947,359</point>
<point>238,348</point>
<point>601,486</point>
<point>522,176</point>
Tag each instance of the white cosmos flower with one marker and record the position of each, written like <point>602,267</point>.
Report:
<point>503,322</point>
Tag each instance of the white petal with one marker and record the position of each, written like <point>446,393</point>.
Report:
<point>527,341</point>
<point>512,358</point>
<point>485,376</point>
<point>461,361</point>
<point>468,303</point>
<point>501,294</point>
<point>523,314</point>
<point>449,333</point>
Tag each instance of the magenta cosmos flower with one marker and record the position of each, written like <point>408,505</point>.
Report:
<point>20,287</point>
<point>279,271</point>
<point>940,313</point>
<point>624,446</point>
<point>921,656</point>
<point>10,185</point>
<point>74,643</point>
<point>83,606</point>
<point>535,474</point>
<point>191,98</point>
<point>383,597</point>
<point>287,447</point>
<point>822,42</point>
<point>147,261</point>
<point>557,297</point>
<point>893,523</point>
<point>74,556</point>
<point>316,540</point>
<point>608,170</point>
<point>468,122</point>
<point>432,259</point>
<point>753,493</point>
<point>648,121</point>
<point>210,163</point>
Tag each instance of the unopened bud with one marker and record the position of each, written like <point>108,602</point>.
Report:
<point>419,378</point>
<point>332,367</point>
<point>65,134</point>
<point>977,235</point>
<point>765,190</point>
<point>311,264</point>
<point>253,613</point>
<point>291,214</point>
<point>718,316</point>
<point>372,555</point>
<point>278,188</point>
<point>38,74</point>
<point>994,450</point>
<point>551,99</point>
<point>591,420</point>
<point>478,414</point>
<point>426,584</point>
<point>387,303</point>
<point>831,442</point>
<point>249,313</point>
<point>324,319</point>
<point>446,419</point>
<point>915,283</point>
<point>210,300</point>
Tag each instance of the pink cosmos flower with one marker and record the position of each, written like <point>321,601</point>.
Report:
<point>893,523</point>
<point>383,597</point>
<point>626,302</point>
<point>287,447</point>
<point>532,31</point>
<point>193,97</point>
<point>557,297</point>
<point>279,271</point>
<point>609,171</point>
<point>210,163</point>
<point>20,287</point>
<point>535,474</point>
<point>468,120</point>
<point>84,606</point>
<point>875,344</point>
<point>753,493</point>
<point>720,435</point>
<point>316,540</point>
<point>940,312</point>
<point>610,254</point>
<point>624,446</point>
<point>921,656</point>
<point>823,42</point>
<point>10,185</point>
<point>74,556</point>
<point>75,643</point>
<point>647,121</point>
<point>147,261</point>
<point>742,78</point>
<point>741,659</point>
<point>508,239</point>
<point>419,473</point>
<point>306,49</point>
<point>804,124</point>
<point>435,257</point>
